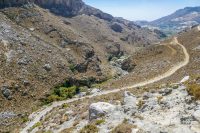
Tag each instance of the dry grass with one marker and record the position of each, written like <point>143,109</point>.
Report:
<point>159,99</point>
<point>124,128</point>
<point>140,104</point>
<point>193,87</point>
<point>89,129</point>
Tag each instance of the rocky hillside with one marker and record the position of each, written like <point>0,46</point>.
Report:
<point>61,7</point>
<point>59,43</point>
<point>178,21</point>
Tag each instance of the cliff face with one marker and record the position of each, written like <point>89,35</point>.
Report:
<point>67,8</point>
<point>62,7</point>
<point>9,3</point>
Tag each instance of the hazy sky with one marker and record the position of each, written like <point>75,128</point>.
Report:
<point>141,9</point>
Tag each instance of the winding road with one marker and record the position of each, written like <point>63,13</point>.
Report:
<point>37,116</point>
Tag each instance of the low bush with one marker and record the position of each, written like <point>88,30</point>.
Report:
<point>89,129</point>
<point>38,124</point>
<point>62,93</point>
<point>66,92</point>
<point>123,128</point>
<point>99,122</point>
<point>72,67</point>
<point>194,90</point>
<point>193,86</point>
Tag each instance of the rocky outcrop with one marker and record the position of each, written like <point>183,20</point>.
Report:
<point>67,8</point>
<point>116,27</point>
<point>130,102</point>
<point>167,110</point>
<point>114,50</point>
<point>100,109</point>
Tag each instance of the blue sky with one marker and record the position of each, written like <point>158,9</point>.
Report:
<point>141,9</point>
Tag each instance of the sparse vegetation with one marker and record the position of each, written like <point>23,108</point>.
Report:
<point>175,86</point>
<point>99,122</point>
<point>65,106</point>
<point>72,67</point>
<point>89,129</point>
<point>35,125</point>
<point>159,98</point>
<point>62,92</point>
<point>25,119</point>
<point>194,90</point>
<point>123,128</point>
<point>140,104</point>
<point>193,87</point>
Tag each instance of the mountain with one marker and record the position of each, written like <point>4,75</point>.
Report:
<point>60,43</point>
<point>176,22</point>
<point>66,8</point>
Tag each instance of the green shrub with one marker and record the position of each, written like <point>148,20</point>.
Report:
<point>72,67</point>
<point>35,125</point>
<point>89,129</point>
<point>99,122</point>
<point>65,106</point>
<point>61,93</point>
<point>65,92</point>
<point>53,98</point>
<point>25,119</point>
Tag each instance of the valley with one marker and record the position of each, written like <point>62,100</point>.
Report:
<point>41,114</point>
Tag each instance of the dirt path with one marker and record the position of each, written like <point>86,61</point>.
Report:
<point>36,117</point>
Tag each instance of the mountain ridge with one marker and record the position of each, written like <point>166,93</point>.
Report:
<point>175,22</point>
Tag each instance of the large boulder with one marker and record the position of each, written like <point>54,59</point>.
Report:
<point>97,110</point>
<point>196,115</point>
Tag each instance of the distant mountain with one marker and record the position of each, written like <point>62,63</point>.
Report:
<point>142,22</point>
<point>178,21</point>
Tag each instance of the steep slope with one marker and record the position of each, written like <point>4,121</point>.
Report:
<point>45,45</point>
<point>171,108</point>
<point>67,8</point>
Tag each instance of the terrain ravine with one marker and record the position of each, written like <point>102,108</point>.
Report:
<point>36,116</point>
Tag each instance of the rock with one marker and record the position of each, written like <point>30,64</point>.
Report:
<point>26,82</point>
<point>187,119</point>
<point>186,78</point>
<point>66,22</point>
<point>116,27</point>
<point>31,29</point>
<point>182,129</point>
<point>128,65</point>
<point>7,115</point>
<point>82,94</point>
<point>114,50</point>
<point>196,115</point>
<point>95,91</point>
<point>130,102</point>
<point>82,67</point>
<point>47,67</point>
<point>147,95</point>
<point>24,60</point>
<point>97,110</point>
<point>6,92</point>
<point>165,92</point>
